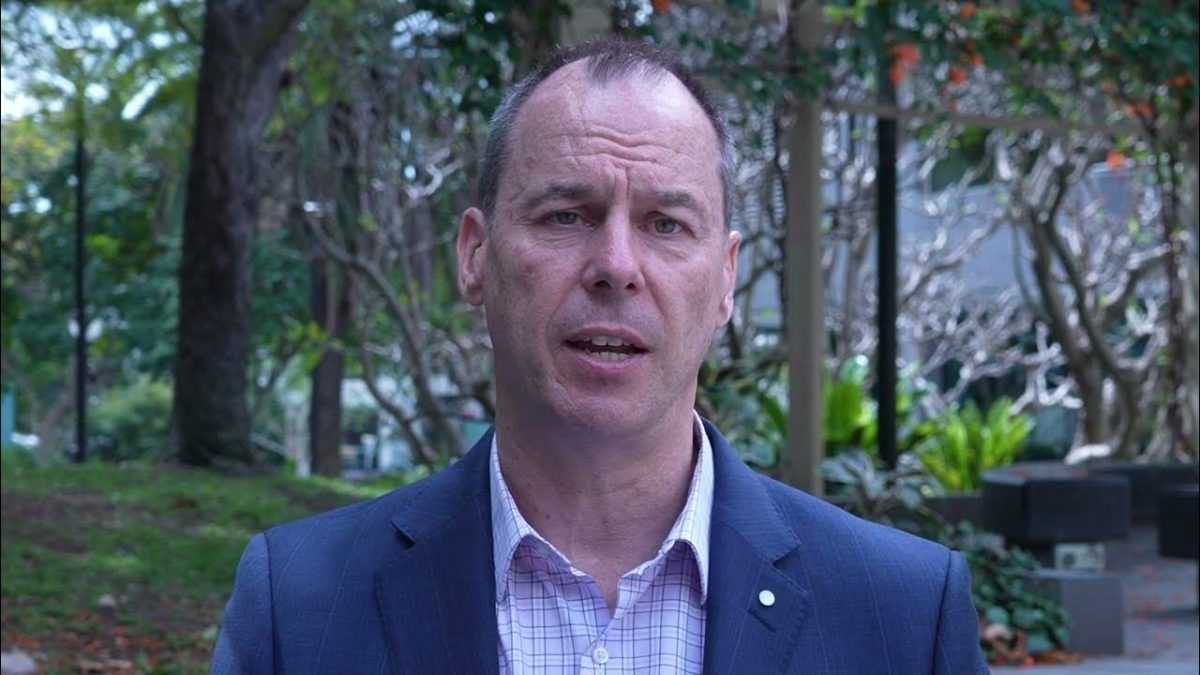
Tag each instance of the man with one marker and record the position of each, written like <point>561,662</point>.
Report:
<point>601,526</point>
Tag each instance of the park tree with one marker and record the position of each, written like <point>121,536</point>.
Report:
<point>245,50</point>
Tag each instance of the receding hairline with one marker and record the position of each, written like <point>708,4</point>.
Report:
<point>648,74</point>
<point>604,61</point>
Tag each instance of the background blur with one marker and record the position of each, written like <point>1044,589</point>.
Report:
<point>228,289</point>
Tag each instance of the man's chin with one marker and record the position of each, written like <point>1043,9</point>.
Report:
<point>607,416</point>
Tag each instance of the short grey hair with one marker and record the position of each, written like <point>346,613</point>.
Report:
<point>607,59</point>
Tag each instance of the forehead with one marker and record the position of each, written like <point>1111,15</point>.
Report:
<point>647,120</point>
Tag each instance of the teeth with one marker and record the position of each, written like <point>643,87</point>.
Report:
<point>607,340</point>
<point>610,356</point>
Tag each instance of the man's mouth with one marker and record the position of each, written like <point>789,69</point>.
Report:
<point>606,348</point>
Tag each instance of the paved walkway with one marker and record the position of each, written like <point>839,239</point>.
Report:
<point>1161,618</point>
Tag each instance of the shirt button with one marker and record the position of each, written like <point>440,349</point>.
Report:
<point>600,655</point>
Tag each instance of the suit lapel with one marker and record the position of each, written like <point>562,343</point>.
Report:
<point>436,591</point>
<point>754,609</point>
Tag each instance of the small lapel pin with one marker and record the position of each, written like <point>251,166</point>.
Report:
<point>766,598</point>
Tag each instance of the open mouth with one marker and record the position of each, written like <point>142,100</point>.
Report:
<point>607,348</point>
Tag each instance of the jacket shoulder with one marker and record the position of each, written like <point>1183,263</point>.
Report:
<point>830,533</point>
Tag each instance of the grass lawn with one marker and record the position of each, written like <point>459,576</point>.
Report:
<point>125,568</point>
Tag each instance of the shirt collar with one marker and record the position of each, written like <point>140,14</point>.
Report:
<point>509,527</point>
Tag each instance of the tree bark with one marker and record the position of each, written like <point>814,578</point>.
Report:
<point>331,309</point>
<point>245,49</point>
<point>800,459</point>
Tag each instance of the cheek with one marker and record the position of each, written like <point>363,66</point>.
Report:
<point>529,283</point>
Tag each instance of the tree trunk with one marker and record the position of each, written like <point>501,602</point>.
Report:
<point>331,309</point>
<point>1090,381</point>
<point>800,459</point>
<point>245,49</point>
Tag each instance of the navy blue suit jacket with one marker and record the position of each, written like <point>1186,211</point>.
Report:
<point>404,584</point>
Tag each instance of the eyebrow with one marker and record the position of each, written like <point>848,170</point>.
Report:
<point>576,191</point>
<point>677,198</point>
<point>554,191</point>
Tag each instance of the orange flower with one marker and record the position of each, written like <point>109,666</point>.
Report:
<point>906,53</point>
<point>904,57</point>
<point>974,59</point>
<point>967,11</point>
<point>957,75</point>
<point>1115,159</point>
<point>661,6</point>
<point>1181,80</point>
<point>1081,6</point>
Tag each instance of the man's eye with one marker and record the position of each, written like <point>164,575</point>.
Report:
<point>667,226</point>
<point>566,218</point>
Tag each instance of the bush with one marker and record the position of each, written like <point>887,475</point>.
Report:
<point>751,410</point>
<point>1018,619</point>
<point>962,443</point>
<point>131,422</point>
<point>868,491</point>
<point>851,414</point>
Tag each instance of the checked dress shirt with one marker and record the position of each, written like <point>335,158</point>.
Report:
<point>552,617</point>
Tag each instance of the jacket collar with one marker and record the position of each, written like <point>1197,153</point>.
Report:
<point>436,591</point>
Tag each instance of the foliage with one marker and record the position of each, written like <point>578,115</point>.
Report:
<point>750,411</point>
<point>131,421</point>
<point>1018,618</point>
<point>162,542</point>
<point>851,414</point>
<point>877,494</point>
<point>116,76</point>
<point>962,443</point>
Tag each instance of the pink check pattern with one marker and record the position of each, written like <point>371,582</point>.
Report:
<point>552,617</point>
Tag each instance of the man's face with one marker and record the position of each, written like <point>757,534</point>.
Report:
<point>606,266</point>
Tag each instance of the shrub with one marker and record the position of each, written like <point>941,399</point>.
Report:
<point>851,414</point>
<point>131,422</point>
<point>873,493</point>
<point>961,444</point>
<point>1018,618</point>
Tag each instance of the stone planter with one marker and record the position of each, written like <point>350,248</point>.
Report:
<point>959,507</point>
<point>1178,512</point>
<point>1039,505</point>
<point>1095,602</point>
<point>1146,482</point>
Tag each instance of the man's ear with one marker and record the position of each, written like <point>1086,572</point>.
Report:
<point>472,238</point>
<point>725,309</point>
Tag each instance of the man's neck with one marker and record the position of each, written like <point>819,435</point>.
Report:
<point>607,503</point>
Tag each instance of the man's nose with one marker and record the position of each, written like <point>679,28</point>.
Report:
<point>613,257</point>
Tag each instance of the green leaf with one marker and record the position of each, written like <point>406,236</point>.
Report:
<point>997,615</point>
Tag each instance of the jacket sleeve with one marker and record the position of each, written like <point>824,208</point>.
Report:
<point>956,649</point>
<point>246,643</point>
